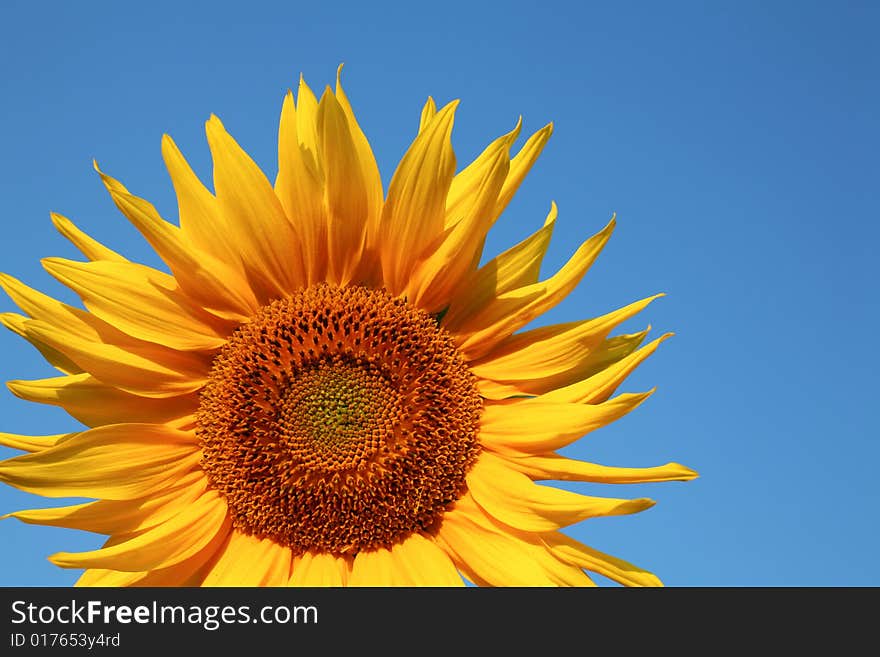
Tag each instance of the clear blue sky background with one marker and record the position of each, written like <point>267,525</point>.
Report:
<point>737,142</point>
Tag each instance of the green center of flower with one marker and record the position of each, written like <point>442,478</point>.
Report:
<point>330,414</point>
<point>339,420</point>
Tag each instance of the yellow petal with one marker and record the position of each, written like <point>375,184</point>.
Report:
<point>117,462</point>
<point>320,569</point>
<point>516,500</point>
<point>108,578</point>
<point>601,386</point>
<point>18,325</point>
<point>489,554</point>
<point>576,553</point>
<point>478,334</point>
<point>135,370</point>
<point>551,353</point>
<point>559,572</point>
<point>347,196</point>
<point>307,128</point>
<point>32,443</point>
<point>516,267</point>
<point>75,325</point>
<point>120,516</point>
<point>265,237</point>
<point>464,191</point>
<point>201,223</point>
<point>562,372</point>
<point>80,324</point>
<point>301,194</point>
<point>434,280</point>
<point>534,426</point>
<point>554,466</point>
<point>367,161</point>
<point>43,307</point>
<point>420,562</point>
<point>188,572</point>
<point>143,302</point>
<point>610,351</point>
<point>72,328</point>
<point>166,544</point>
<point>413,215</point>
<point>95,403</point>
<point>429,111</point>
<point>205,279</point>
<point>520,165</point>
<point>90,247</point>
<point>377,568</point>
<point>249,561</point>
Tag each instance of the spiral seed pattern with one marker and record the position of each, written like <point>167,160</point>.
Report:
<point>339,420</point>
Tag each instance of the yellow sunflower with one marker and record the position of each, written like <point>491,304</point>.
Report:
<point>327,388</point>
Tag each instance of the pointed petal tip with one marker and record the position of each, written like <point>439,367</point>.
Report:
<point>113,186</point>
<point>62,224</point>
<point>303,85</point>
<point>11,320</point>
<point>58,559</point>
<point>214,126</point>
<point>636,398</point>
<point>686,473</point>
<point>17,387</point>
<point>513,134</point>
<point>216,132</point>
<point>53,263</point>
<point>451,106</point>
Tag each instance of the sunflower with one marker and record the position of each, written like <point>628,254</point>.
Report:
<point>327,387</point>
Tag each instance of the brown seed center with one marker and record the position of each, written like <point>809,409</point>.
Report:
<point>339,420</point>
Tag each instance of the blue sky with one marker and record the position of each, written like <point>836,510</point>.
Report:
<point>737,143</point>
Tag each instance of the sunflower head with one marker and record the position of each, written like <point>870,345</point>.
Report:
<point>326,386</point>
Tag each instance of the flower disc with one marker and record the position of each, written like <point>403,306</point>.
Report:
<point>339,420</point>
